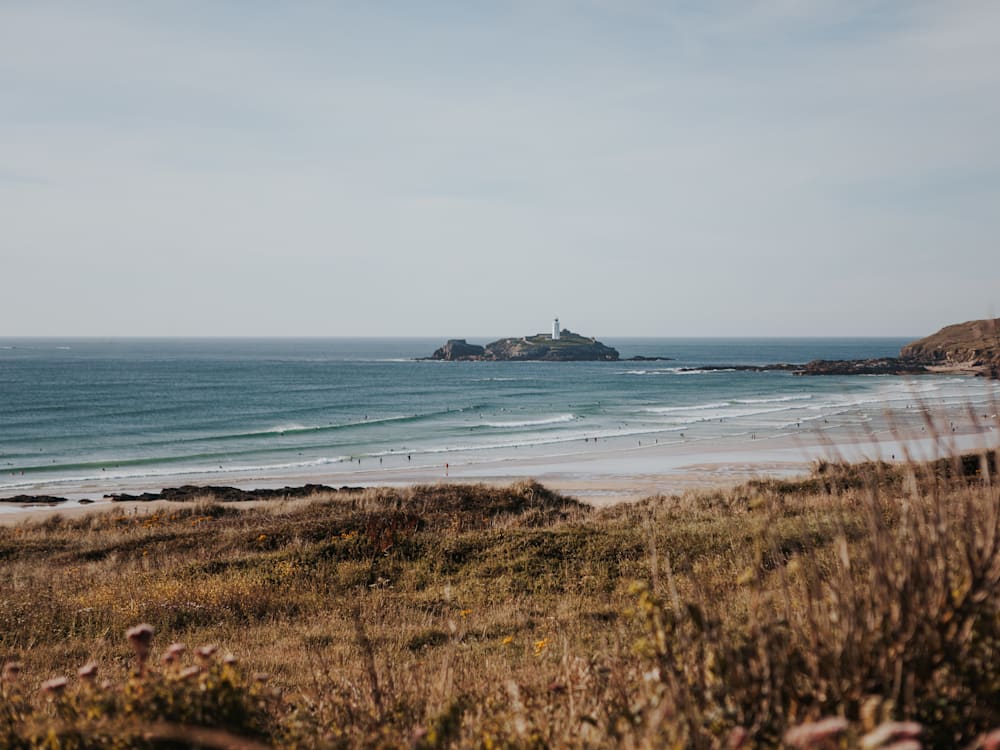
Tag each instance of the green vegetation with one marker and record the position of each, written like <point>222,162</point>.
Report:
<point>566,339</point>
<point>447,616</point>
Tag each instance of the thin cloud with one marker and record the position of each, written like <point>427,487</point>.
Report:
<point>643,168</point>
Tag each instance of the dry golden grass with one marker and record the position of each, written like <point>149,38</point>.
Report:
<point>482,617</point>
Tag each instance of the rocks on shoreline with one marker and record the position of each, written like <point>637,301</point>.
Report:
<point>189,492</point>
<point>36,500</point>
<point>878,366</point>
<point>223,494</point>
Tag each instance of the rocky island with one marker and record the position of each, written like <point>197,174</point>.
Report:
<point>970,348</point>
<point>564,347</point>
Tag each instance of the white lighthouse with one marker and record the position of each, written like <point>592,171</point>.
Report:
<point>555,329</point>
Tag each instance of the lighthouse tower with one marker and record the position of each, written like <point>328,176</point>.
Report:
<point>555,329</point>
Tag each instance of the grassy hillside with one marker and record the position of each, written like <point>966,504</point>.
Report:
<point>480,617</point>
<point>973,342</point>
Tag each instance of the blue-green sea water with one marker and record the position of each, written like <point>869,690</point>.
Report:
<point>88,410</point>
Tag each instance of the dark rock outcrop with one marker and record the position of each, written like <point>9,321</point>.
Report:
<point>458,349</point>
<point>190,492</point>
<point>33,500</point>
<point>880,366</point>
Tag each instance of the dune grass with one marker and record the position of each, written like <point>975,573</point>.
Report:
<point>472,616</point>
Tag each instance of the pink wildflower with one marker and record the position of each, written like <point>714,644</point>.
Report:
<point>738,738</point>
<point>55,686</point>
<point>140,638</point>
<point>205,653</point>
<point>812,734</point>
<point>173,653</point>
<point>992,740</point>
<point>12,670</point>
<point>891,731</point>
<point>88,672</point>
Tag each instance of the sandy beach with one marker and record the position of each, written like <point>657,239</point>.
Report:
<point>601,474</point>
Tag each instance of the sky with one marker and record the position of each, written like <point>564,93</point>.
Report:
<point>464,169</point>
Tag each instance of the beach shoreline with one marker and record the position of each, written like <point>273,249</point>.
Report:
<point>139,417</point>
<point>617,470</point>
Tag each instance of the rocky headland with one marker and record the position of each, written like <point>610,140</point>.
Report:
<point>569,347</point>
<point>974,345</point>
<point>970,348</point>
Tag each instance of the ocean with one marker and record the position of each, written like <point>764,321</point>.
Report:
<point>96,412</point>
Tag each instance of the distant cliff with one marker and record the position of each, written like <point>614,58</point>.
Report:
<point>570,347</point>
<point>971,348</point>
<point>974,345</point>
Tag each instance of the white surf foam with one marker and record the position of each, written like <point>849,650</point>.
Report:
<point>775,399</point>
<point>562,418</point>
<point>693,407</point>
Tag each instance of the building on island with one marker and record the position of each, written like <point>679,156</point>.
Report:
<point>555,329</point>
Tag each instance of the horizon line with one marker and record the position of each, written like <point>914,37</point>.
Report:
<point>356,337</point>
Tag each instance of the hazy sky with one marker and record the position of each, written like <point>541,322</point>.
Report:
<point>689,168</point>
